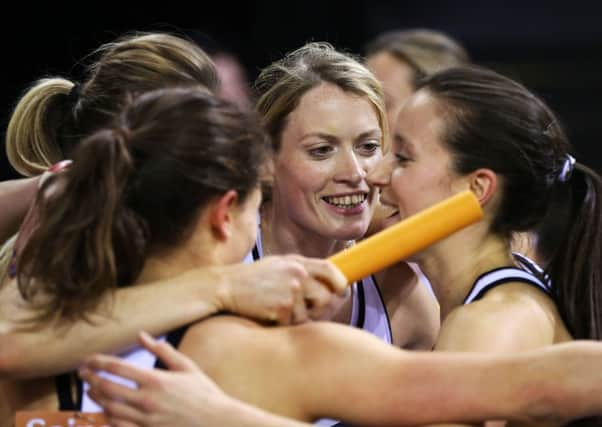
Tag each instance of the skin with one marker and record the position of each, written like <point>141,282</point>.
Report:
<point>16,196</point>
<point>280,365</point>
<point>413,309</point>
<point>419,174</point>
<point>330,143</point>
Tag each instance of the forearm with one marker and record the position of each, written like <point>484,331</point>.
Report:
<point>243,415</point>
<point>551,385</point>
<point>57,347</point>
<point>15,198</point>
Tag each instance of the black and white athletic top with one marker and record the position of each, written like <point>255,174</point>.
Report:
<point>529,273</point>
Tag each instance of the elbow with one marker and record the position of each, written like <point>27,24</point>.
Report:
<point>13,359</point>
<point>8,362</point>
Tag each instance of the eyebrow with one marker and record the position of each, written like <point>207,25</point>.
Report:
<point>370,133</point>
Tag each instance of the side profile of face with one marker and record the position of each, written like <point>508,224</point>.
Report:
<point>331,141</point>
<point>417,173</point>
<point>396,78</point>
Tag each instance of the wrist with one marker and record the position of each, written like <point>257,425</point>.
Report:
<point>223,290</point>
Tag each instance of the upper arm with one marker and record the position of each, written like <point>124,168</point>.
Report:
<point>320,369</point>
<point>324,369</point>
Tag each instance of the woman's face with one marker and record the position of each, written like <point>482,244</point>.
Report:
<point>396,78</point>
<point>417,173</point>
<point>331,141</point>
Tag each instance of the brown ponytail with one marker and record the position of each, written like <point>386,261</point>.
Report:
<point>82,220</point>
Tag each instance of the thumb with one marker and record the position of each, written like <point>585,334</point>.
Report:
<point>172,358</point>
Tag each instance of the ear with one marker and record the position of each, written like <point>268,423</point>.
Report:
<point>221,217</point>
<point>483,183</point>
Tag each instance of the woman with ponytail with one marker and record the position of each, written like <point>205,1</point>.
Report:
<point>134,210</point>
<point>470,128</point>
<point>46,127</point>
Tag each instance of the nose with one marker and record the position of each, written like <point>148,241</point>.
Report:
<point>380,175</point>
<point>351,169</point>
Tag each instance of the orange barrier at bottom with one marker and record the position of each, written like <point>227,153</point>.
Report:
<point>59,419</point>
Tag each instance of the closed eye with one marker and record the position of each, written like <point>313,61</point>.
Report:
<point>401,159</point>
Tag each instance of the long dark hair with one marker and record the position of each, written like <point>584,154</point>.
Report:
<point>498,124</point>
<point>134,190</point>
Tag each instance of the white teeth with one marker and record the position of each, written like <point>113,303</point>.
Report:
<point>346,201</point>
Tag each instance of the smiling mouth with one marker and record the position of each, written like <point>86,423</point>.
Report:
<point>346,202</point>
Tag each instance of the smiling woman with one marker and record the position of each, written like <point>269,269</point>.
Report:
<point>325,113</point>
<point>469,128</point>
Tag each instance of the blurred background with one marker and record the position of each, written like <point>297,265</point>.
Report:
<point>553,47</point>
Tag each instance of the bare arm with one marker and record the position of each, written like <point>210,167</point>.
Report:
<point>15,198</point>
<point>184,396</point>
<point>272,289</point>
<point>324,369</point>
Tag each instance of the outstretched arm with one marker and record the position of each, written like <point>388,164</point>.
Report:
<point>274,289</point>
<point>329,370</point>
<point>181,397</point>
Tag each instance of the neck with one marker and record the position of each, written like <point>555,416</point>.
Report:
<point>173,262</point>
<point>455,263</point>
<point>280,235</point>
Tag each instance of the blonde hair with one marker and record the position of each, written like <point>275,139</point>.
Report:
<point>426,51</point>
<point>55,113</point>
<point>6,256</point>
<point>281,85</point>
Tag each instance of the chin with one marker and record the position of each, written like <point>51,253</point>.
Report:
<point>351,233</point>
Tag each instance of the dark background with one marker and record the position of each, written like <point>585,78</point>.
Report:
<point>555,48</point>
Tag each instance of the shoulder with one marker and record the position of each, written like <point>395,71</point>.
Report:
<point>510,317</point>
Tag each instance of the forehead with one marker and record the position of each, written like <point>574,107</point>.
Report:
<point>387,66</point>
<point>328,108</point>
<point>420,122</point>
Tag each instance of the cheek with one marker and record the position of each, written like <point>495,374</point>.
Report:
<point>398,184</point>
<point>302,178</point>
<point>371,163</point>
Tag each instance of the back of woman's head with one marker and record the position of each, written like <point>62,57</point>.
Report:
<point>281,85</point>
<point>135,189</point>
<point>56,113</point>
<point>426,51</point>
<point>494,122</point>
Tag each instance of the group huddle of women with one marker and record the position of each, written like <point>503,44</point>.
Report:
<point>208,225</point>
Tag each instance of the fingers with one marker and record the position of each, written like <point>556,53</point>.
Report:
<point>116,366</point>
<point>326,272</point>
<point>119,414</point>
<point>173,359</point>
<point>317,298</point>
<point>299,314</point>
<point>106,390</point>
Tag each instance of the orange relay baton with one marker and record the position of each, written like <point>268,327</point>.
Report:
<point>408,236</point>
